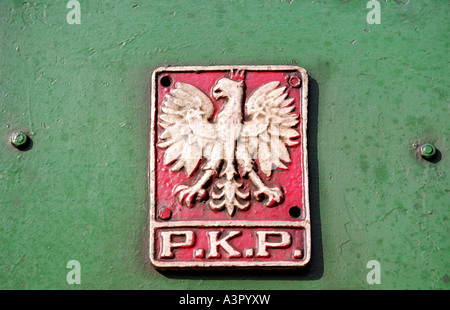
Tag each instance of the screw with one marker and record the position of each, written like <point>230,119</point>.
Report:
<point>427,150</point>
<point>294,81</point>
<point>164,213</point>
<point>19,139</point>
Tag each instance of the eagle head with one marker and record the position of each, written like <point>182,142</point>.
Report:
<point>229,87</point>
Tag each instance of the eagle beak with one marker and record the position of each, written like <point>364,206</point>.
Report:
<point>217,93</point>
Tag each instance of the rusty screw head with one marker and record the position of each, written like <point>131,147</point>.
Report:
<point>427,150</point>
<point>19,139</point>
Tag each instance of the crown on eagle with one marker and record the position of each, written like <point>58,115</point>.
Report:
<point>237,75</point>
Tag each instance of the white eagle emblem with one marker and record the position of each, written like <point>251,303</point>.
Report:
<point>244,139</point>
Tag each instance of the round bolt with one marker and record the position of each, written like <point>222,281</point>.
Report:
<point>294,81</point>
<point>19,139</point>
<point>427,150</point>
<point>165,213</point>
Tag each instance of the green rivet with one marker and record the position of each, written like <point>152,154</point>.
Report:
<point>19,138</point>
<point>428,150</point>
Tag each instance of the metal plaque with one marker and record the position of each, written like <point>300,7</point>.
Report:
<point>228,167</point>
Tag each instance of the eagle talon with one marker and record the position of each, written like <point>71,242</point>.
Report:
<point>274,195</point>
<point>188,195</point>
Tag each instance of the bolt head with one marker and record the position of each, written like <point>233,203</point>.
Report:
<point>18,139</point>
<point>294,81</point>
<point>427,150</point>
<point>165,213</point>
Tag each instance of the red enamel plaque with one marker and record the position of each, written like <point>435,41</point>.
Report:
<point>228,167</point>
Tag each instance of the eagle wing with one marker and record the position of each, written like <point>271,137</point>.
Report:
<point>187,135</point>
<point>268,130</point>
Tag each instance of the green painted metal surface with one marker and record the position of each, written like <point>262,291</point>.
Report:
<point>81,92</point>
